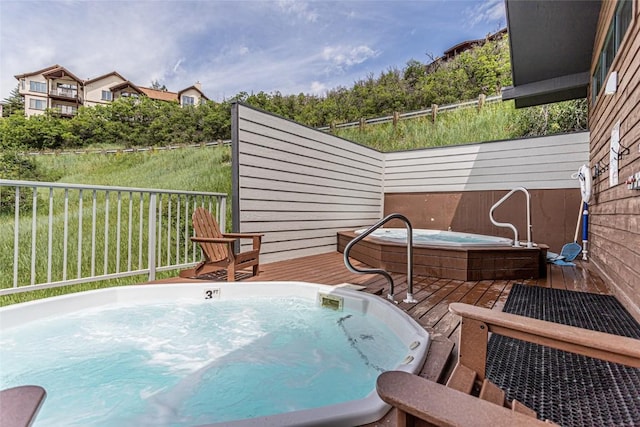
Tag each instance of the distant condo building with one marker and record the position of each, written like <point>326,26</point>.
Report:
<point>58,89</point>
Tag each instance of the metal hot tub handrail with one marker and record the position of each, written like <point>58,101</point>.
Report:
<point>347,262</point>
<point>516,241</point>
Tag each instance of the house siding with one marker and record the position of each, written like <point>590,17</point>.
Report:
<point>29,95</point>
<point>615,210</point>
<point>197,97</point>
<point>93,90</point>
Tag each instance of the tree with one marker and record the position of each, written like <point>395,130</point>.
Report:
<point>13,104</point>
<point>155,84</point>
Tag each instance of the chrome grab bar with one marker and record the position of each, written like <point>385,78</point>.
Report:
<point>516,242</point>
<point>350,267</point>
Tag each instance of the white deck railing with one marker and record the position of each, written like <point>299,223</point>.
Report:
<point>54,234</point>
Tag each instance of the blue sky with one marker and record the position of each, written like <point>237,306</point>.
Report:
<point>232,46</point>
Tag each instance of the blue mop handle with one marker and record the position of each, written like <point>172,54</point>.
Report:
<point>585,221</point>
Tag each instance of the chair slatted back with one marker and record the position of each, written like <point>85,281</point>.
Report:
<point>206,226</point>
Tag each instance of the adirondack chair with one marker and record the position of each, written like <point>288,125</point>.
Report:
<point>419,401</point>
<point>217,248</point>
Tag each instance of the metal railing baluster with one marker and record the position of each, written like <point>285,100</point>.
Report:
<point>140,226</point>
<point>80,215</point>
<point>34,220</point>
<point>94,208</point>
<point>158,219</point>
<point>118,231</point>
<point>152,236</point>
<point>169,203</point>
<point>130,231</point>
<point>16,238</point>
<point>178,229</point>
<point>106,233</point>
<point>65,233</point>
<point>50,235</point>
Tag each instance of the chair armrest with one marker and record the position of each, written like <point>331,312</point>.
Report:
<point>257,238</point>
<point>613,348</point>
<point>242,235</point>
<point>212,240</point>
<point>20,405</point>
<point>443,406</point>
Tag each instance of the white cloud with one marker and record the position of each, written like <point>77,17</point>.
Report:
<point>243,50</point>
<point>347,55</point>
<point>317,88</point>
<point>488,11</point>
<point>298,8</point>
<point>178,64</point>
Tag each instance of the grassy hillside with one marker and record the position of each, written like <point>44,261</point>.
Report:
<point>206,169</point>
<point>493,122</point>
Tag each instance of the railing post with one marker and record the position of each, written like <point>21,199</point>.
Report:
<point>152,236</point>
<point>222,213</point>
<point>481,99</point>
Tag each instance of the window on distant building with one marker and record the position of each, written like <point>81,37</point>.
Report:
<point>107,95</point>
<point>618,27</point>
<point>22,84</point>
<point>37,104</point>
<point>188,100</point>
<point>37,87</point>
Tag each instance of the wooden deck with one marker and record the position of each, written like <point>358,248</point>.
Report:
<point>433,294</point>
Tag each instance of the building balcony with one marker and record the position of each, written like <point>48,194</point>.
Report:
<point>64,110</point>
<point>66,94</point>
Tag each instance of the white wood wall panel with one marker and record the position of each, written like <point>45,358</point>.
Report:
<point>300,186</point>
<point>257,184</point>
<point>535,163</point>
<point>282,180</point>
<point>273,123</point>
<point>272,140</point>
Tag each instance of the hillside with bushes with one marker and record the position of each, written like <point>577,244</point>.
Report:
<point>128,122</point>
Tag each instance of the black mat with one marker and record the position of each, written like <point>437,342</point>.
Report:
<point>566,388</point>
